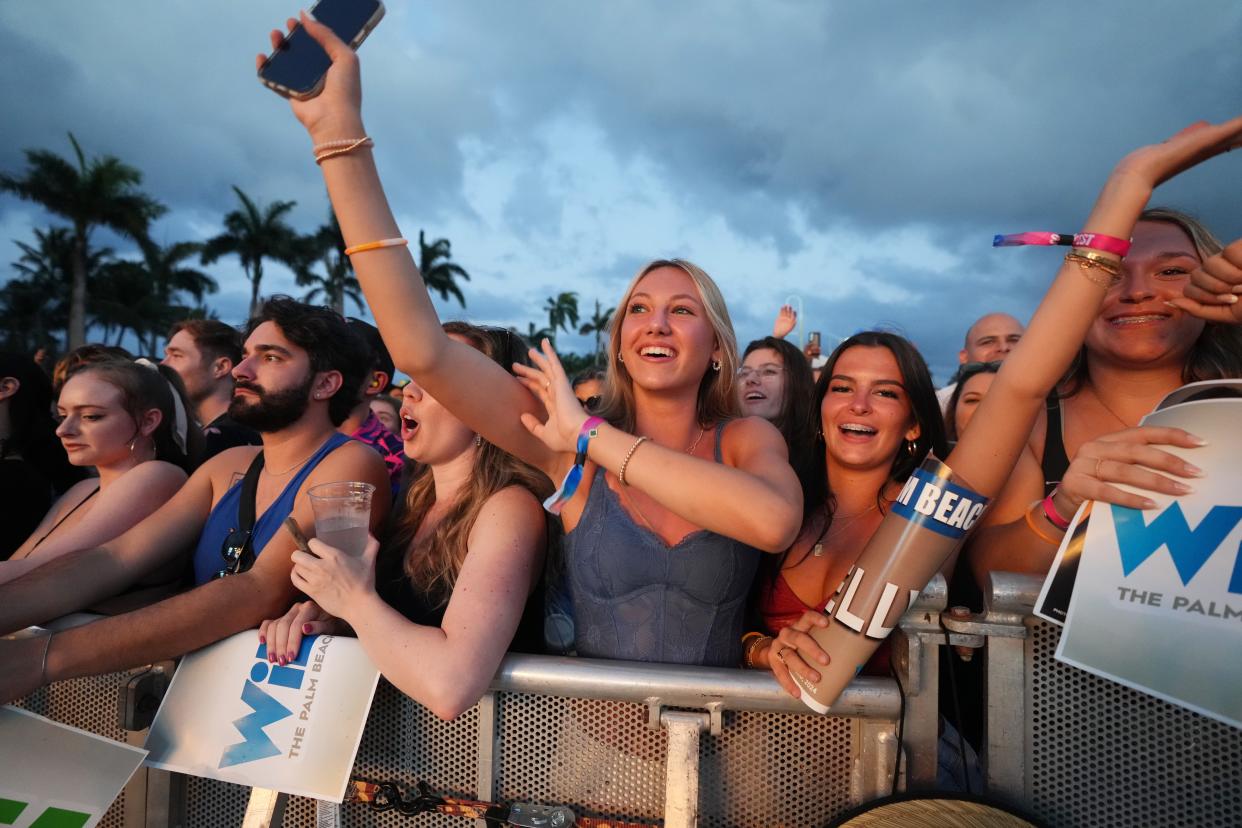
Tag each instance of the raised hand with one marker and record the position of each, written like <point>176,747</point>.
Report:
<point>336,112</point>
<point>1128,457</point>
<point>1154,164</point>
<point>334,580</point>
<point>786,321</point>
<point>549,384</point>
<point>1212,292</point>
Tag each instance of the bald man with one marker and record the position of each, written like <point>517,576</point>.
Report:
<point>989,339</point>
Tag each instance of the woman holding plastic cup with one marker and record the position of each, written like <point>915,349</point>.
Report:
<point>450,584</point>
<point>983,459</point>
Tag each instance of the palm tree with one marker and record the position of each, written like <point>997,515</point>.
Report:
<point>102,192</point>
<point>536,335</point>
<point>338,282</point>
<point>440,274</point>
<point>167,276</point>
<point>562,312</point>
<point>598,325</point>
<point>253,234</point>
<point>47,273</point>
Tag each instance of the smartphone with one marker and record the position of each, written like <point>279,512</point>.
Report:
<point>298,66</point>
<point>814,339</point>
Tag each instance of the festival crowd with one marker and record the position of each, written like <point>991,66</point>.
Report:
<point>691,503</point>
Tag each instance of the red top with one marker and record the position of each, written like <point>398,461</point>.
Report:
<point>779,607</point>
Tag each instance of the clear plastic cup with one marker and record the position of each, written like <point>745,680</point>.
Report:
<point>343,514</point>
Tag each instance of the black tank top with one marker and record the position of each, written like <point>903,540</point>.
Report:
<point>1055,461</point>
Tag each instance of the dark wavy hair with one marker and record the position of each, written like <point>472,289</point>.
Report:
<point>794,418</point>
<point>32,430</point>
<point>916,378</point>
<point>328,342</point>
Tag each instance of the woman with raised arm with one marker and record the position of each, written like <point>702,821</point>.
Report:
<point>854,398</point>
<point>463,555</point>
<point>1145,342</point>
<point>666,498</point>
<point>129,421</point>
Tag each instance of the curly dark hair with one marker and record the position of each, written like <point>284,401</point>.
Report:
<point>328,342</point>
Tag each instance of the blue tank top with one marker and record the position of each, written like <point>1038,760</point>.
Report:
<point>638,599</point>
<point>224,517</point>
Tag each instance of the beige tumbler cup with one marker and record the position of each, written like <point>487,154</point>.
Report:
<point>926,523</point>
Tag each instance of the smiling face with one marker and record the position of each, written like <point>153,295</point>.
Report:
<point>761,384</point>
<point>666,341</point>
<point>1135,327</point>
<point>866,415</point>
<point>973,391</point>
<point>96,430</point>
<point>430,433</point>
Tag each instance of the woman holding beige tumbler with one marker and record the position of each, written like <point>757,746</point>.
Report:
<point>866,406</point>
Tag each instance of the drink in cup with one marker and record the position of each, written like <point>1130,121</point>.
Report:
<point>342,514</point>
<point>927,522</point>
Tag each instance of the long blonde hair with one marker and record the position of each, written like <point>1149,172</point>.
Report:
<point>717,398</point>
<point>433,563</point>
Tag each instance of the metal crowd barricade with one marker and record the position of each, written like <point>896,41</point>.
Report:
<point>1078,750</point>
<point>618,740</point>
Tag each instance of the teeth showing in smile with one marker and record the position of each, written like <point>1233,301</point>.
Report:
<point>656,351</point>
<point>755,395</point>
<point>857,428</point>
<point>1137,320</point>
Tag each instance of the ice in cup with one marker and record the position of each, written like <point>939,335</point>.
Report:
<point>343,514</point>
<point>927,522</point>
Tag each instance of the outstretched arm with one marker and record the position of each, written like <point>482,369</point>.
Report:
<point>477,390</point>
<point>990,447</point>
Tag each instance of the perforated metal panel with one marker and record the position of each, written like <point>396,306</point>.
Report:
<point>597,757</point>
<point>1104,755</point>
<point>90,704</point>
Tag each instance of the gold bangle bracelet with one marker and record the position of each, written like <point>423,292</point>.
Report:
<point>628,455</point>
<point>748,655</point>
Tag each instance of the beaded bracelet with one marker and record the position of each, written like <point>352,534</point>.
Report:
<point>757,640</point>
<point>628,455</point>
<point>334,148</point>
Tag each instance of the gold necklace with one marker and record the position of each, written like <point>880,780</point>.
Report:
<point>630,500</point>
<point>291,468</point>
<point>1106,407</point>
<point>817,551</point>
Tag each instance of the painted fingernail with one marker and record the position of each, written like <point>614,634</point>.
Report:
<point>1228,298</point>
<point>289,657</point>
<point>262,640</point>
<point>1182,488</point>
<point>1193,471</point>
<point>306,628</point>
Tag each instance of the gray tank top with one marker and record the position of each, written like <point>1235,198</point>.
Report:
<point>638,599</point>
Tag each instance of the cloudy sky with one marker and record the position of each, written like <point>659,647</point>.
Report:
<point>858,155</point>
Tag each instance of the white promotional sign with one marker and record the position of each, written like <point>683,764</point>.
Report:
<point>1157,602</point>
<point>233,716</point>
<point>58,776</point>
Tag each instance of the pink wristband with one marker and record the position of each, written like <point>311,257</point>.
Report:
<point>1098,241</point>
<point>1054,517</point>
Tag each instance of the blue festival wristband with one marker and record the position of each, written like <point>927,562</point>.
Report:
<point>557,500</point>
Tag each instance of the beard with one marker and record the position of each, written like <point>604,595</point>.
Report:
<point>273,410</point>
